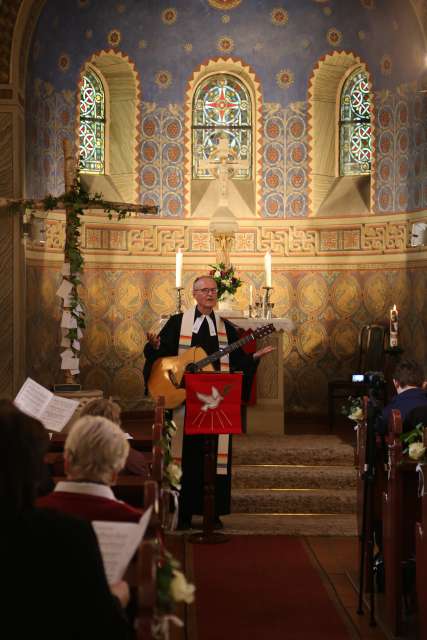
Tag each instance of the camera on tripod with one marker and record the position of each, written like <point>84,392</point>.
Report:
<point>374,379</point>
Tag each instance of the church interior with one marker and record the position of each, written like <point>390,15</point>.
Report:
<point>145,143</point>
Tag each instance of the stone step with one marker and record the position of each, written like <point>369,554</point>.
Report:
<point>300,501</point>
<point>343,524</point>
<point>288,524</point>
<point>286,450</point>
<point>275,476</point>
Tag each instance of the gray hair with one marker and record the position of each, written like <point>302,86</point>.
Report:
<point>95,449</point>
<point>102,407</point>
<point>207,277</point>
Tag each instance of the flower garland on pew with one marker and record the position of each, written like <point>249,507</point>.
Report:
<point>172,588</point>
<point>353,409</point>
<point>172,471</point>
<point>414,442</point>
<point>171,583</point>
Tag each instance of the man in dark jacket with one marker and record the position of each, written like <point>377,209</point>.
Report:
<point>408,380</point>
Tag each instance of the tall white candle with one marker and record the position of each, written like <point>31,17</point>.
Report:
<point>251,295</point>
<point>394,326</point>
<point>178,268</point>
<point>267,267</point>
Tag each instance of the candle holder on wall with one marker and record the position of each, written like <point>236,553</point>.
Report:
<point>179,291</point>
<point>266,303</point>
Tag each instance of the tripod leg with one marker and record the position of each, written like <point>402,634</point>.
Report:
<point>362,547</point>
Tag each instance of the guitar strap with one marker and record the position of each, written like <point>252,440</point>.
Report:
<point>178,414</point>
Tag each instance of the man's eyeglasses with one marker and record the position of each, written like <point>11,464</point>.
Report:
<point>206,291</point>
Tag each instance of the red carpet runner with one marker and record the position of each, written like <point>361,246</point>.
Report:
<point>262,588</point>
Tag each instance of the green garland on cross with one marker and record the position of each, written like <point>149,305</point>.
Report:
<point>75,201</point>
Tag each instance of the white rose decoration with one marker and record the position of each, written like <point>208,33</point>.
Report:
<point>181,590</point>
<point>174,473</point>
<point>217,274</point>
<point>357,415</point>
<point>416,450</point>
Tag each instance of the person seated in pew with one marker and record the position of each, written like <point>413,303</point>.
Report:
<point>94,453</point>
<point>408,379</point>
<point>52,570</point>
<point>136,462</point>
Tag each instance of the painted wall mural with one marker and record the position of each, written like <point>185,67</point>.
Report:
<point>281,44</point>
<point>328,307</point>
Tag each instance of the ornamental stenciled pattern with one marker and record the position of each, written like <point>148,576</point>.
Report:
<point>151,238</point>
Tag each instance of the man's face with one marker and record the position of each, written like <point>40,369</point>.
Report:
<point>205,293</point>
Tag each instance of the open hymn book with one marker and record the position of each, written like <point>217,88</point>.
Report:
<point>38,402</point>
<point>118,542</point>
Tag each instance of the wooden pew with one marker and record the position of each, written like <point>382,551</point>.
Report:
<point>421,558</point>
<point>141,575</point>
<point>374,506</point>
<point>146,577</point>
<point>145,427</point>
<point>400,511</point>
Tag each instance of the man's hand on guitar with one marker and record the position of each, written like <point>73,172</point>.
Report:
<point>154,340</point>
<point>263,352</point>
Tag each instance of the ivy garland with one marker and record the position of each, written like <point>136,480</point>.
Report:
<point>75,201</point>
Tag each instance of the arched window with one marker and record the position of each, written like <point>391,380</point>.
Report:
<point>222,107</point>
<point>355,126</point>
<point>92,124</point>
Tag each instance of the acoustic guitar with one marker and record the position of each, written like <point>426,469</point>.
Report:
<point>166,377</point>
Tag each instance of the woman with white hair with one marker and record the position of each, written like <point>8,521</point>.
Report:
<point>95,451</point>
<point>137,463</point>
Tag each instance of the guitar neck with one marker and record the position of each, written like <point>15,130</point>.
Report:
<point>223,352</point>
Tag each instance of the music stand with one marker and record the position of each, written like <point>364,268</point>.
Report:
<point>213,402</point>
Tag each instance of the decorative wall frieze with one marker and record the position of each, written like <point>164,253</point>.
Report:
<point>150,238</point>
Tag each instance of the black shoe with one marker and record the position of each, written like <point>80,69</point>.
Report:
<point>184,524</point>
<point>218,523</point>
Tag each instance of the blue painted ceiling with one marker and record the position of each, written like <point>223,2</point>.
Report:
<point>376,30</point>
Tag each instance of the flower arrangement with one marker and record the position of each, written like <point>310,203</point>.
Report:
<point>353,408</point>
<point>414,442</point>
<point>172,587</point>
<point>225,279</point>
<point>172,471</point>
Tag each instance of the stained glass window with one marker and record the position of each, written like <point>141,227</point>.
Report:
<point>355,126</point>
<point>222,108</point>
<point>92,124</point>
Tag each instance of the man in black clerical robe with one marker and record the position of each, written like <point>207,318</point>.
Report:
<point>167,344</point>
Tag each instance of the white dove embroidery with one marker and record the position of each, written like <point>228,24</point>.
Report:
<point>212,401</point>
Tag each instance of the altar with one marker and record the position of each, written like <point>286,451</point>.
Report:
<point>267,416</point>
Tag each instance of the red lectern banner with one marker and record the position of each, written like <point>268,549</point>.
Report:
<point>213,402</point>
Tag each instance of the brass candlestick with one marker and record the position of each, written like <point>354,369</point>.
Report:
<point>266,302</point>
<point>179,291</point>
<point>270,307</point>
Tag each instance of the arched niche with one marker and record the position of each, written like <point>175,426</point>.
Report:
<point>122,140</point>
<point>332,195</point>
<point>247,192</point>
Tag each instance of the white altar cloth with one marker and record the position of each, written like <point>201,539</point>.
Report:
<point>280,324</point>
